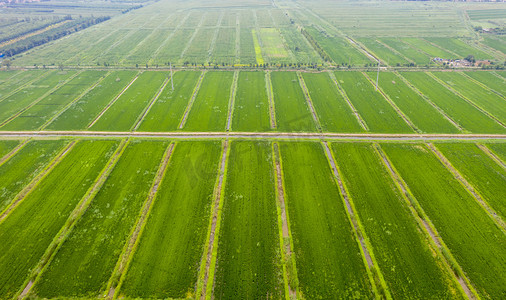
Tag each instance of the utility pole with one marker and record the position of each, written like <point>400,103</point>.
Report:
<point>378,75</point>
<point>171,78</point>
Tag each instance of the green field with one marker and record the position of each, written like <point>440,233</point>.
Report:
<point>378,114</point>
<point>30,228</point>
<point>251,108</point>
<point>167,259</point>
<point>249,249</point>
<point>490,80</point>
<point>292,111</point>
<point>474,239</point>
<point>85,261</point>
<point>327,255</point>
<point>6,146</point>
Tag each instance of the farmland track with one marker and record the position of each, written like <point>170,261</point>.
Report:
<point>254,135</point>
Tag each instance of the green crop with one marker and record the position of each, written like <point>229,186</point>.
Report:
<point>6,146</point>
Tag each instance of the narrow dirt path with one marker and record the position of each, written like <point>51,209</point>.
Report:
<point>285,229</point>
<point>491,212</point>
<point>27,189</point>
<point>377,281</point>
<point>309,102</point>
<point>270,96</point>
<point>129,250</point>
<point>192,99</point>
<point>427,226</point>
<point>113,101</point>
<point>210,253</point>
<point>231,102</point>
<point>76,214</point>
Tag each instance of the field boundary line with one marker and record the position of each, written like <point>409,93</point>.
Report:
<point>192,99</point>
<point>484,86</point>
<point>378,283</point>
<point>215,37</point>
<point>309,102</point>
<point>440,47</point>
<point>147,37</point>
<point>394,106</point>
<point>285,234</point>
<point>35,181</point>
<point>129,249</point>
<point>146,110</point>
<point>435,240</point>
<point>55,88</point>
<point>208,261</point>
<point>64,109</point>
<point>169,37</point>
<point>23,86</point>
<point>237,39</point>
<point>111,103</point>
<point>190,41</point>
<point>440,110</point>
<point>69,225</point>
<point>341,91</point>
<point>394,51</point>
<point>492,155</point>
<point>270,96</point>
<point>231,102</point>
<point>498,76</point>
<point>13,152</point>
<point>469,188</point>
<point>457,93</point>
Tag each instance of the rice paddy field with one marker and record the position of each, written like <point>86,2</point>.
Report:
<point>256,150</point>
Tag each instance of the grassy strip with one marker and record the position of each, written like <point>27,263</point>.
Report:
<point>76,214</point>
<point>446,259</point>
<point>470,188</point>
<point>166,261</point>
<point>376,279</point>
<point>106,108</point>
<point>32,226</point>
<point>270,95</point>
<point>290,278</point>
<point>125,258</point>
<point>454,211</point>
<point>33,184</point>
<point>328,257</point>
<point>248,243</point>
<point>231,103</point>
<point>303,86</point>
<point>27,162</point>
<point>258,48</point>
<point>196,90</point>
<point>87,258</point>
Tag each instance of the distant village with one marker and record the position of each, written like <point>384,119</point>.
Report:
<point>458,63</point>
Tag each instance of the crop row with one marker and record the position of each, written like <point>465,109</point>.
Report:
<point>327,254</point>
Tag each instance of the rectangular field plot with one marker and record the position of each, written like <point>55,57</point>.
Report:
<point>166,262</point>
<point>402,252</point>
<point>334,113</point>
<point>249,260</point>
<point>408,51</point>
<point>273,47</point>
<point>340,50</point>
<point>143,52</point>
<point>12,80</point>
<point>210,109</point>
<point>247,48</point>
<point>81,113</point>
<point>425,117</point>
<point>377,113</point>
<point>44,110</point>
<point>21,168</point>
<point>168,109</point>
<point>485,99</point>
<point>198,51</point>
<point>473,238</point>
<point>481,171</point>
<point>30,94</point>
<point>383,53</point>
<point>251,108</point>
<point>496,83</point>
<point>428,48</point>
<point>459,47</point>
<point>171,51</point>
<point>292,111</point>
<point>29,229</point>
<point>86,259</point>
<point>495,43</point>
<point>302,50</point>
<point>120,50</point>
<point>499,150</point>
<point>225,47</point>
<point>463,113</point>
<point>123,114</point>
<point>327,255</point>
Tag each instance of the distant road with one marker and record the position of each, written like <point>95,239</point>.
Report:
<point>256,135</point>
